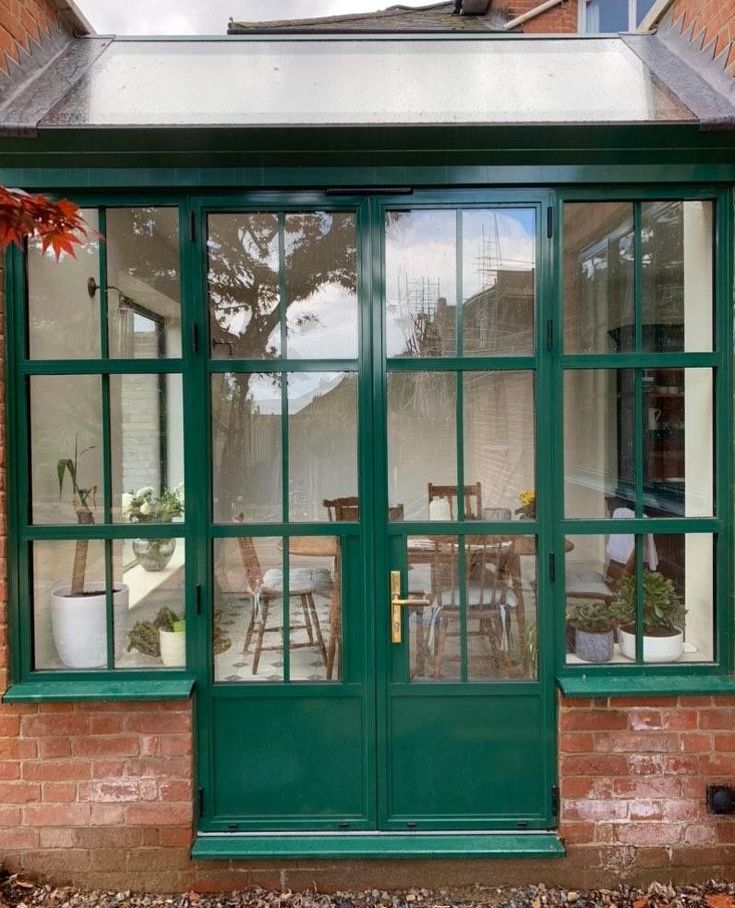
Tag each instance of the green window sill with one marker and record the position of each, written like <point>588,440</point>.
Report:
<point>100,689</point>
<point>215,846</point>
<point>605,684</point>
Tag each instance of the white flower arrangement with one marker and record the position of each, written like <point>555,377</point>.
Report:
<point>144,506</point>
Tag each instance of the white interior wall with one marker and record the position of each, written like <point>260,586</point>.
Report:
<point>698,413</point>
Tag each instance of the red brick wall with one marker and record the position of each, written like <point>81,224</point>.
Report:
<point>22,24</point>
<point>561,19</point>
<point>713,20</point>
<point>633,777</point>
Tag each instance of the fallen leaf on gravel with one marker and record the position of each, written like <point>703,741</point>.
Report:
<point>720,901</point>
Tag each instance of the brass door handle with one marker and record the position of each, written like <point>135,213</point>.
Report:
<point>395,605</point>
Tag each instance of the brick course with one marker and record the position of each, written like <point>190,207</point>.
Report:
<point>633,774</point>
<point>561,19</point>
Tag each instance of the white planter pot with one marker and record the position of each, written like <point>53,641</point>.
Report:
<point>655,649</point>
<point>173,648</point>
<point>79,624</point>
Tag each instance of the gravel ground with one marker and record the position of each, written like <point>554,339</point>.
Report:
<point>16,892</point>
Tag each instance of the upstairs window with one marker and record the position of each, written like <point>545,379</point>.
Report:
<point>610,16</point>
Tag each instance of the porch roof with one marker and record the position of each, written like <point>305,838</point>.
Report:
<point>105,83</point>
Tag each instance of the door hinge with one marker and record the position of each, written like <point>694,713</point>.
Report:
<point>200,798</point>
<point>549,222</point>
<point>549,333</point>
<point>555,800</point>
<point>552,566</point>
<point>192,227</point>
<point>198,598</point>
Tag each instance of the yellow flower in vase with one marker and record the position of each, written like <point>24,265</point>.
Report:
<point>527,500</point>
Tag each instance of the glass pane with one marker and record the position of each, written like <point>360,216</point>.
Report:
<point>146,425</point>
<point>421,283</point>
<point>315,616</point>
<point>599,474</point>
<point>246,447</point>
<point>677,598</point>
<point>501,607</point>
<point>677,240</point>
<point>243,279</point>
<point>66,427</point>
<point>321,285</point>
<point>248,609</point>
<point>69,606</point>
<point>644,7</point>
<point>678,452</point>
<point>435,652</point>
<point>499,443</point>
<point>607,15</point>
<point>63,320</point>
<point>498,281</point>
<point>600,580</point>
<point>143,284</point>
<point>598,277</point>
<point>422,445</point>
<point>150,572</point>
<point>322,442</point>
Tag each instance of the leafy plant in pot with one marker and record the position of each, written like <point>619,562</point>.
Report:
<point>594,623</point>
<point>663,618</point>
<point>79,609</point>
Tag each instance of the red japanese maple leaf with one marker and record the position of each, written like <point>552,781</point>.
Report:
<point>58,225</point>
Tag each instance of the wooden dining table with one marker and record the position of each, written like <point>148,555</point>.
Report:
<point>422,551</point>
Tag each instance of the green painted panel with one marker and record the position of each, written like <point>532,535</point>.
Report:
<point>476,757</point>
<point>377,845</point>
<point>288,759</point>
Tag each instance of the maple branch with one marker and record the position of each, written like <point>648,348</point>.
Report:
<point>58,225</point>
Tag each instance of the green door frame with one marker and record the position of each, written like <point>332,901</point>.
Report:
<point>392,662</point>
<point>378,659</point>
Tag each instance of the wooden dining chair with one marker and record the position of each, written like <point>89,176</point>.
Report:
<point>472,499</point>
<point>489,594</point>
<point>266,588</point>
<point>341,509</point>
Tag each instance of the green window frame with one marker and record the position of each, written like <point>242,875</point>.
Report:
<point>637,677</point>
<point>574,680</point>
<point>29,682</point>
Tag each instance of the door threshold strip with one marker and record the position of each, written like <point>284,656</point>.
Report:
<point>397,845</point>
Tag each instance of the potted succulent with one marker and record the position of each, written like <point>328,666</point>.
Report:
<point>144,506</point>
<point>79,609</point>
<point>663,618</point>
<point>594,623</point>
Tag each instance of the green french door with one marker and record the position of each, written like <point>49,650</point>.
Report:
<point>377,614</point>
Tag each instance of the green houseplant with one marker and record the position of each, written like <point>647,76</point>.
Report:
<point>594,623</point>
<point>79,609</point>
<point>663,618</point>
